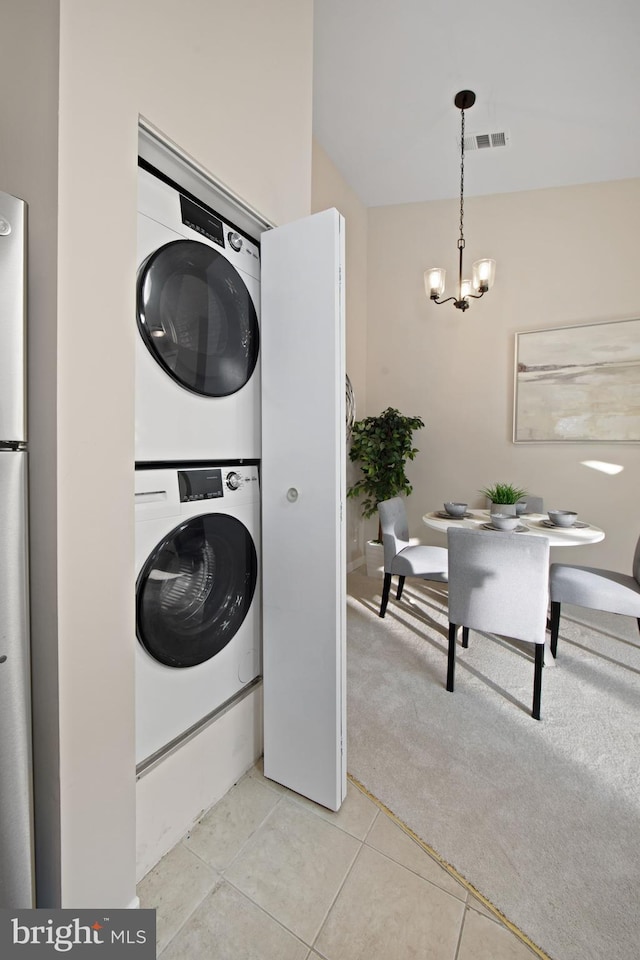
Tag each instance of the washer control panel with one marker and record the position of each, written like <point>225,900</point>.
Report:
<point>211,483</point>
<point>233,480</point>
<point>200,484</point>
<point>243,479</point>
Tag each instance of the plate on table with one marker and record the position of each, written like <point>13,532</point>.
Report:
<point>490,526</point>
<point>576,525</point>
<point>449,516</point>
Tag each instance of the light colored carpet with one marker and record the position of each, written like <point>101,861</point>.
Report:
<point>543,818</point>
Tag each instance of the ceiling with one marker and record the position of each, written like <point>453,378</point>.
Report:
<point>560,77</point>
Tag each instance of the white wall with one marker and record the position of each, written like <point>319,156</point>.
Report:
<point>564,256</point>
<point>232,86</point>
<point>329,189</point>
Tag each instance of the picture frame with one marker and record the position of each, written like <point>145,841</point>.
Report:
<point>578,384</point>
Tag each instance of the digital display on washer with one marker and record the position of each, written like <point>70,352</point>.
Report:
<point>201,220</point>
<point>200,484</point>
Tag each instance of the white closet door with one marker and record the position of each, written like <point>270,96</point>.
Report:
<point>303,488</point>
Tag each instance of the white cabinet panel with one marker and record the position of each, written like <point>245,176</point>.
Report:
<point>303,489</point>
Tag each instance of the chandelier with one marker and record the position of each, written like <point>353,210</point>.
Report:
<point>483,271</point>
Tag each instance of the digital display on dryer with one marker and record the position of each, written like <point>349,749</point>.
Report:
<point>201,220</point>
<point>200,484</point>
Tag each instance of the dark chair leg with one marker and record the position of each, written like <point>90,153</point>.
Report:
<point>400,587</point>
<point>638,623</point>
<point>537,681</point>
<point>451,664</point>
<point>555,627</point>
<point>385,594</point>
<point>465,636</point>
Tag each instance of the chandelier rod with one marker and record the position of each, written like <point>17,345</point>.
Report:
<point>461,237</point>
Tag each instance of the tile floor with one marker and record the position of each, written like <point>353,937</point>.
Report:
<point>268,875</point>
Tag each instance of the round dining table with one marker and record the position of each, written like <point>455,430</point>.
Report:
<point>536,523</point>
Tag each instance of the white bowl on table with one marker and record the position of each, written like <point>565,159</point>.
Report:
<point>504,521</point>
<point>455,508</point>
<point>562,518</point>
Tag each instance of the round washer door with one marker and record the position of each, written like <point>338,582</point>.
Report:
<point>195,589</point>
<point>197,318</point>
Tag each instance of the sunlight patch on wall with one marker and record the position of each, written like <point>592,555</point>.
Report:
<point>603,466</point>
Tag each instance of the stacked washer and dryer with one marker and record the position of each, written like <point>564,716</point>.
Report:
<point>197,482</point>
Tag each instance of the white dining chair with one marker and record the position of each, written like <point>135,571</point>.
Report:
<point>595,588</point>
<point>402,558</point>
<point>498,583</point>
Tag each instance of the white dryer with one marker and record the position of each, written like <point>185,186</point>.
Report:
<point>198,597</point>
<point>198,339</point>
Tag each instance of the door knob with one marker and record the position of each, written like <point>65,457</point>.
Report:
<point>292,494</point>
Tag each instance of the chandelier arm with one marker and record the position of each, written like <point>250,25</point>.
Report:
<point>435,300</point>
<point>476,296</point>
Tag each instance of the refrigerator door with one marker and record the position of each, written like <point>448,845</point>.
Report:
<point>16,802</point>
<point>12,319</point>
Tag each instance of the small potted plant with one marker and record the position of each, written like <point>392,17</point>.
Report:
<point>381,445</point>
<point>504,497</point>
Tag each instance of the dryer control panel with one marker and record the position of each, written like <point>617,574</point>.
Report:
<point>202,220</point>
<point>243,252</point>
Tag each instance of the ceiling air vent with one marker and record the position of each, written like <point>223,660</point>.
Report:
<point>485,141</point>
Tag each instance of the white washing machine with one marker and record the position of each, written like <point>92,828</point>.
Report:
<point>198,596</point>
<point>198,340</point>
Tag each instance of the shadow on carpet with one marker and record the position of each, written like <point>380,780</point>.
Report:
<point>543,818</point>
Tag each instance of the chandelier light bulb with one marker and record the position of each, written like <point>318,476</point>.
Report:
<point>434,279</point>
<point>484,272</point>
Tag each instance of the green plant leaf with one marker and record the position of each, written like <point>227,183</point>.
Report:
<point>382,445</point>
<point>503,493</point>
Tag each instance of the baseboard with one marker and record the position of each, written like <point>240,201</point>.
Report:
<point>358,562</point>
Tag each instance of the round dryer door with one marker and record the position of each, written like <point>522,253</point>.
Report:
<point>195,590</point>
<point>197,318</point>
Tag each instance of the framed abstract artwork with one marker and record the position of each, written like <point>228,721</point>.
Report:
<point>578,384</point>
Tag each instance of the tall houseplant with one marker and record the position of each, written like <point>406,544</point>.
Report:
<point>382,445</point>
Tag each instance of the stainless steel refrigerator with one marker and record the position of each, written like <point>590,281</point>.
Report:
<point>16,802</point>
